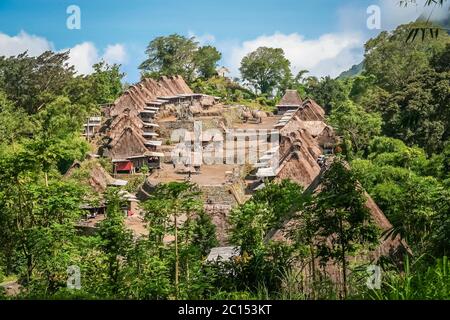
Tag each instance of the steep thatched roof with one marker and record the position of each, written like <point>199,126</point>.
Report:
<point>310,111</point>
<point>90,173</point>
<point>290,99</point>
<point>148,90</point>
<point>315,128</point>
<point>301,166</point>
<point>124,130</point>
<point>388,247</point>
<point>129,143</point>
<point>122,121</point>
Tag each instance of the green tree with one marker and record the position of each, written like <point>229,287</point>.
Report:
<point>343,220</point>
<point>327,92</point>
<point>398,178</point>
<point>171,55</point>
<point>37,221</point>
<point>285,198</point>
<point>393,62</point>
<point>32,82</point>
<point>147,275</point>
<point>105,82</point>
<point>441,61</point>
<point>163,210</point>
<point>178,55</point>
<point>250,222</point>
<point>204,234</point>
<point>14,123</point>
<point>418,112</point>
<point>265,68</point>
<point>356,126</point>
<point>205,60</point>
<point>116,240</point>
<point>57,138</point>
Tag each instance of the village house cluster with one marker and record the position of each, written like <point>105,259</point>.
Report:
<point>136,134</point>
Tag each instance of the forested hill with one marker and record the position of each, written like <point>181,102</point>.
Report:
<point>355,70</point>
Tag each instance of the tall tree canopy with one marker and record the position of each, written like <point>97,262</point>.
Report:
<point>265,69</point>
<point>178,55</point>
<point>206,61</point>
<point>410,88</point>
<point>393,61</point>
<point>31,82</point>
<point>327,92</point>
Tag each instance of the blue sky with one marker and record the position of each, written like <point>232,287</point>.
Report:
<point>323,36</point>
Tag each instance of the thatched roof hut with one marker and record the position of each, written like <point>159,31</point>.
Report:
<point>394,248</point>
<point>290,98</point>
<point>290,101</point>
<point>92,174</point>
<point>128,143</point>
<point>310,111</point>
<point>147,92</point>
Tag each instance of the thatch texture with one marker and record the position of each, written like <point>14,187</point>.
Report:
<point>315,128</point>
<point>301,140</point>
<point>128,143</point>
<point>90,173</point>
<point>124,130</point>
<point>298,154</point>
<point>310,111</point>
<point>388,247</point>
<point>290,99</point>
<point>148,90</point>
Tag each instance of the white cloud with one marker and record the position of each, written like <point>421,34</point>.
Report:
<point>204,39</point>
<point>329,54</point>
<point>115,54</point>
<point>82,55</point>
<point>14,45</point>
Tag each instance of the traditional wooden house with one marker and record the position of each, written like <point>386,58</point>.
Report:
<point>304,138</point>
<point>131,133</point>
<point>92,174</point>
<point>223,72</point>
<point>323,133</point>
<point>392,247</point>
<point>290,101</point>
<point>310,111</point>
<point>91,127</point>
<point>328,140</point>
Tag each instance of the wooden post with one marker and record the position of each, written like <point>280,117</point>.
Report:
<point>87,129</point>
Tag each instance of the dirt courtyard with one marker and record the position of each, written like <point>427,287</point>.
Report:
<point>209,174</point>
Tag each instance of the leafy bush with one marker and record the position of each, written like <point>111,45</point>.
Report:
<point>418,281</point>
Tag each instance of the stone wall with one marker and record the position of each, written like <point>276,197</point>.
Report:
<point>166,127</point>
<point>219,214</point>
<point>218,195</point>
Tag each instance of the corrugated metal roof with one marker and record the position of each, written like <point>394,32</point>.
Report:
<point>223,254</point>
<point>153,143</point>
<point>266,173</point>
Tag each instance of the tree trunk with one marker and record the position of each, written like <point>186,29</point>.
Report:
<point>29,267</point>
<point>176,257</point>
<point>344,262</point>
<point>313,270</point>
